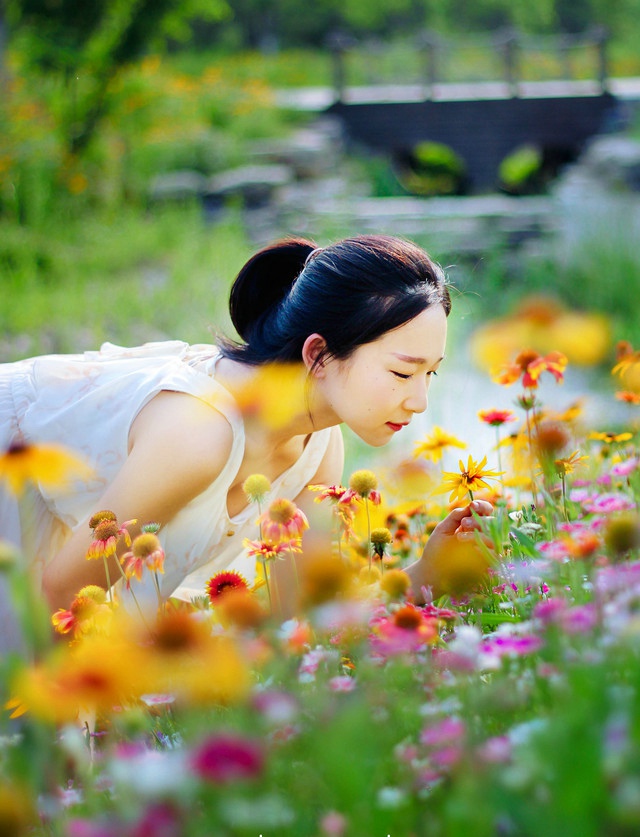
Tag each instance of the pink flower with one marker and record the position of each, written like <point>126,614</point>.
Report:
<point>623,469</point>
<point>448,731</point>
<point>342,683</point>
<point>608,503</point>
<point>282,521</point>
<point>227,758</point>
<point>333,824</point>
<point>495,750</point>
<point>159,820</point>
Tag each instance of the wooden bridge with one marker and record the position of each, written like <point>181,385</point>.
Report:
<point>482,121</point>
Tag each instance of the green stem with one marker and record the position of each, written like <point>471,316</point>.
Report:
<point>106,572</point>
<point>133,595</point>
<point>266,579</point>
<point>366,505</point>
<point>499,456</point>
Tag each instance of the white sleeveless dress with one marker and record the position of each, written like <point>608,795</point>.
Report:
<point>88,403</point>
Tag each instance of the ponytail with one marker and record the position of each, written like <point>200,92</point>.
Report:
<point>264,282</point>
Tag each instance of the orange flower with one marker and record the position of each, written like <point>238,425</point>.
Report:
<point>629,397</point>
<point>268,551</point>
<point>145,552</point>
<point>106,535</point>
<point>89,609</point>
<point>344,506</point>
<point>50,466</point>
<point>470,479</point>
<point>530,365</point>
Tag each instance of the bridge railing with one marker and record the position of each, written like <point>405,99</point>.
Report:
<point>507,56</point>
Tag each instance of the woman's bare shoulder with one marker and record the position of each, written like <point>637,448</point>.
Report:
<point>184,433</point>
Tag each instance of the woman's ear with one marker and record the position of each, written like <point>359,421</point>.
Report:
<point>313,352</point>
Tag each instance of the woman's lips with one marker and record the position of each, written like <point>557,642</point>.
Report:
<point>395,427</point>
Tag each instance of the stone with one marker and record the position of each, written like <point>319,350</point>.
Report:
<point>255,185</point>
<point>177,186</point>
<point>614,160</point>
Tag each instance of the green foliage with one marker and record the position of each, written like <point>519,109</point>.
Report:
<point>433,168</point>
<point>519,172</point>
<point>118,276</point>
<point>87,46</point>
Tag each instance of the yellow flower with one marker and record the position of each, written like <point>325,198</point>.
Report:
<point>610,438</point>
<point>472,478</point>
<point>363,482</point>
<point>51,466</point>
<point>256,487</point>
<point>395,583</point>
<point>433,445</point>
<point>568,464</point>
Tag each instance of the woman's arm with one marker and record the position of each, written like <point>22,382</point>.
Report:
<point>178,446</point>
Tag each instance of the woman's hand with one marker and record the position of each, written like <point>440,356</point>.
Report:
<point>452,542</point>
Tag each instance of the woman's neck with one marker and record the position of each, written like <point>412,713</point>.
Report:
<point>277,403</point>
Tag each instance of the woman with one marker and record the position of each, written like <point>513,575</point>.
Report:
<point>162,428</point>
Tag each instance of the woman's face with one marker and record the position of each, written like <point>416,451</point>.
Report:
<point>383,384</point>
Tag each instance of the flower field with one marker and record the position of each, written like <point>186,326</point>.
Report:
<point>506,703</point>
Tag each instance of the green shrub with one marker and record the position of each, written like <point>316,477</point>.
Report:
<point>521,171</point>
<point>432,168</point>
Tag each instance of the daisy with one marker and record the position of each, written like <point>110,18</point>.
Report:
<point>471,478</point>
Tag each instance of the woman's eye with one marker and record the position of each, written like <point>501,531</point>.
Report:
<point>433,372</point>
<point>401,375</point>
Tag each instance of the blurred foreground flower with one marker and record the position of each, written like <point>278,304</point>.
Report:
<point>461,568</point>
<point>628,367</point>
<point>274,395</point>
<point>543,324</point>
<point>433,445</point>
<point>51,466</point>
<point>221,759</point>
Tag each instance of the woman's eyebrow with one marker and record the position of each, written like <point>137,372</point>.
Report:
<point>410,359</point>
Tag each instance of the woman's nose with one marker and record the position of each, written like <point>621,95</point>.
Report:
<point>417,400</point>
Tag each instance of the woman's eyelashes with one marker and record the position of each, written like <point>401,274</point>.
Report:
<point>405,377</point>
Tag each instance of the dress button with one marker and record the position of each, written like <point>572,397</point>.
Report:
<point>230,533</point>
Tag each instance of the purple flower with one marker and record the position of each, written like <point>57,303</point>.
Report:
<point>517,646</point>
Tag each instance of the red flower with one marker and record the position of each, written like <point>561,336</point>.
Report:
<point>222,582</point>
<point>496,417</point>
<point>226,758</point>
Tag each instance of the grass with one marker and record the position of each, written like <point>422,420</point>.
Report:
<point>126,276</point>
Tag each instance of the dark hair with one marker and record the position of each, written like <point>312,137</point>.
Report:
<point>351,293</point>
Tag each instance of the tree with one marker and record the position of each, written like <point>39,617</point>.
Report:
<point>87,43</point>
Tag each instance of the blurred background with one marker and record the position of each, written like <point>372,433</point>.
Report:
<point>148,147</point>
